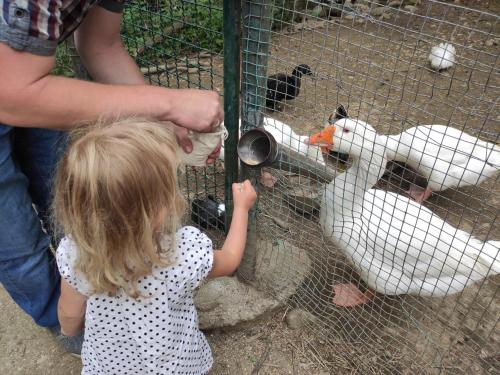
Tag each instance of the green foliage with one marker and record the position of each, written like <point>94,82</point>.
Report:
<point>64,64</point>
<point>166,29</point>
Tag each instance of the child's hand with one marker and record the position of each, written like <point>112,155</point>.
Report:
<point>244,195</point>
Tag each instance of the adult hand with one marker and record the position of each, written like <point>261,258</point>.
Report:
<point>214,155</point>
<point>198,110</point>
<point>187,146</point>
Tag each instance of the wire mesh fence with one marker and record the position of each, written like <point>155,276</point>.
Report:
<point>179,44</point>
<point>392,240</point>
<point>424,314</point>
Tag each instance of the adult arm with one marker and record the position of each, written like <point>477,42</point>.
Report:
<point>31,97</point>
<point>100,47</point>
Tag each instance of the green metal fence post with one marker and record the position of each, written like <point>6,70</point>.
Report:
<point>257,21</point>
<point>232,70</point>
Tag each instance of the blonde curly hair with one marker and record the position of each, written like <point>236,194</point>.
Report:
<point>116,194</point>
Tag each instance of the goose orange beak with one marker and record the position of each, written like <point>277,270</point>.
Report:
<point>324,138</point>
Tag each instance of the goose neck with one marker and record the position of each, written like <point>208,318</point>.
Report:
<point>350,187</point>
<point>370,165</point>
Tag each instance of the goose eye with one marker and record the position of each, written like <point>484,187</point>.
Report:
<point>345,131</point>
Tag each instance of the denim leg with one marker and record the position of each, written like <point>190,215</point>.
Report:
<point>37,152</point>
<point>27,269</point>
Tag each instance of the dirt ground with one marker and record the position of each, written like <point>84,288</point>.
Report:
<point>378,70</point>
<point>267,346</point>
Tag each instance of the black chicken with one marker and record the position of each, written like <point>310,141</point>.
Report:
<point>208,213</point>
<point>285,87</point>
<point>339,114</point>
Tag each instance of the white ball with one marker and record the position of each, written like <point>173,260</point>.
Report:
<point>442,56</point>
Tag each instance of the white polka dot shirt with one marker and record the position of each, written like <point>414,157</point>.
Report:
<point>155,334</point>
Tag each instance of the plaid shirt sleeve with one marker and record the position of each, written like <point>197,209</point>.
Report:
<point>36,26</point>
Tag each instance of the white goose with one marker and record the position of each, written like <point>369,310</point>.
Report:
<point>445,156</point>
<point>397,245</point>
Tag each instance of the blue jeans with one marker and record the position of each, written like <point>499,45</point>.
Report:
<point>28,270</point>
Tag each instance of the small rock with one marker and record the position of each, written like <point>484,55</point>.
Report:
<point>395,3</point>
<point>361,7</point>
<point>378,11</point>
<point>349,17</point>
<point>293,319</point>
<point>281,223</point>
<point>491,42</point>
<point>475,368</point>
<point>359,20</point>
<point>484,354</point>
<point>318,11</point>
<point>414,2</point>
<point>410,8</point>
<point>298,318</point>
<point>386,16</point>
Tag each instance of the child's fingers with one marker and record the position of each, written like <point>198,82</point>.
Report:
<point>244,189</point>
<point>237,187</point>
<point>241,185</point>
<point>249,187</point>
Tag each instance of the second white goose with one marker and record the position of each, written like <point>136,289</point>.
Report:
<point>445,156</point>
<point>397,245</point>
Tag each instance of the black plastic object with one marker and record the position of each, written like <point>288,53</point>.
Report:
<point>208,213</point>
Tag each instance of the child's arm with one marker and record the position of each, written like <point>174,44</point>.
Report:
<point>227,260</point>
<point>71,310</point>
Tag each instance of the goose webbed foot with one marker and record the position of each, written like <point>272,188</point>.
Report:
<point>419,194</point>
<point>267,179</point>
<point>349,295</point>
